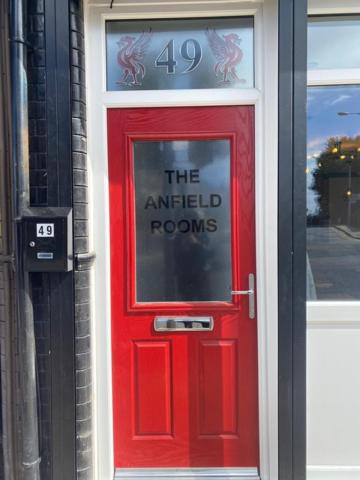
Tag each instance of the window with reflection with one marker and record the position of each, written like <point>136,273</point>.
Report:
<point>334,42</point>
<point>333,193</point>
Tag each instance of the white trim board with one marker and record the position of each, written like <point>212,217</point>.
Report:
<point>348,76</point>
<point>333,7</point>
<point>326,314</point>
<point>167,98</point>
<point>265,99</point>
<point>152,3</point>
<point>337,472</point>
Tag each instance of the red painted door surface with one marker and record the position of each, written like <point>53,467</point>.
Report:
<point>183,398</point>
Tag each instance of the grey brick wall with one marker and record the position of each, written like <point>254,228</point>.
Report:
<point>81,246</point>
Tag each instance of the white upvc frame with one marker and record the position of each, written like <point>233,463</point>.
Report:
<point>333,7</point>
<point>324,318</point>
<point>265,99</point>
<point>323,312</point>
<point>349,76</point>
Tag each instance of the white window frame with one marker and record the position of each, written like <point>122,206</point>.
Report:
<point>329,320</point>
<point>264,97</point>
<point>329,312</point>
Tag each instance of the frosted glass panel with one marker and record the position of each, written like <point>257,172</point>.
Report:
<point>183,235</point>
<point>334,42</point>
<point>180,54</point>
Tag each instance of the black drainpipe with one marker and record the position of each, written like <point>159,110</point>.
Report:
<point>7,312</point>
<point>27,399</point>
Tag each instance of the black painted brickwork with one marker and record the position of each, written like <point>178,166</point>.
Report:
<point>38,197</point>
<point>41,305</point>
<point>38,191</point>
<point>81,245</point>
<point>37,104</point>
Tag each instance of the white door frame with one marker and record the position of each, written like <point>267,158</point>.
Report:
<point>265,99</point>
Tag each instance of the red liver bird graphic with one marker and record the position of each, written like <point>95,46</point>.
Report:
<point>131,52</point>
<point>227,53</point>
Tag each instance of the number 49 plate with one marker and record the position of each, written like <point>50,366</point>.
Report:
<point>45,229</point>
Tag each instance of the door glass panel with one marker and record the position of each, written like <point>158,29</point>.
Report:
<point>333,193</point>
<point>182,207</point>
<point>180,54</point>
<point>333,42</point>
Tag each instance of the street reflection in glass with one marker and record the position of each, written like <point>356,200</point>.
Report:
<point>333,42</point>
<point>183,241</point>
<point>333,193</point>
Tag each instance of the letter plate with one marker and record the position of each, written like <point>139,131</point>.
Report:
<point>183,324</point>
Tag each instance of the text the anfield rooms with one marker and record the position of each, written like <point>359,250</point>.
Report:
<point>183,228</point>
<point>153,203</point>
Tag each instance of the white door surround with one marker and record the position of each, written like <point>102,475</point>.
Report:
<point>265,99</point>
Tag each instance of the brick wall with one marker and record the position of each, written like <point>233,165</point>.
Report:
<point>38,197</point>
<point>81,246</point>
<point>37,104</point>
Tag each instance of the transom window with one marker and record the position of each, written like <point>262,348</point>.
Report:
<point>343,49</point>
<point>180,54</point>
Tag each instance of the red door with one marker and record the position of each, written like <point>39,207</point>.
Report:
<point>184,348</point>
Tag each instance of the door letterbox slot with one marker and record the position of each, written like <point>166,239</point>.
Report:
<point>183,324</point>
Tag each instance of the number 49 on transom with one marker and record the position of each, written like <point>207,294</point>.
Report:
<point>190,50</point>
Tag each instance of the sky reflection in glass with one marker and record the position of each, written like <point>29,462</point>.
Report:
<point>333,193</point>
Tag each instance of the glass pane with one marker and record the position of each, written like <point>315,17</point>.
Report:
<point>180,54</point>
<point>333,193</point>
<point>334,42</point>
<point>183,235</point>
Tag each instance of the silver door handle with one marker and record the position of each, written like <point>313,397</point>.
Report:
<point>250,293</point>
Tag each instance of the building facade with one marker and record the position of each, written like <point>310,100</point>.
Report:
<point>179,228</point>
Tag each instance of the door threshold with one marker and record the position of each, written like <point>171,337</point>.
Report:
<point>189,473</point>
